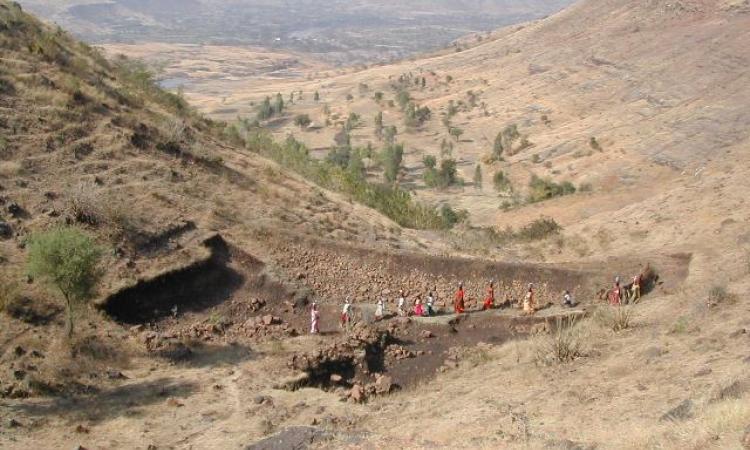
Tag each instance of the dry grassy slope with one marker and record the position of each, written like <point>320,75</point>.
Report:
<point>663,87</point>
<point>67,135</point>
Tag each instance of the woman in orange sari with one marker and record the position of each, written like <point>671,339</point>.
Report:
<point>458,302</point>
<point>529,303</point>
<point>489,301</point>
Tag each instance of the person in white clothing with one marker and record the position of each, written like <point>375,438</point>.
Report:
<point>346,313</point>
<point>380,309</point>
<point>314,319</point>
<point>430,306</point>
<point>401,303</point>
<point>568,299</point>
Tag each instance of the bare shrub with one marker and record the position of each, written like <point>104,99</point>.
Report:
<point>87,204</point>
<point>174,130</point>
<point>564,344</point>
<point>616,318</point>
<point>718,295</point>
<point>8,294</point>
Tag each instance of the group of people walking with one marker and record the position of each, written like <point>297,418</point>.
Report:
<point>616,296</point>
<point>428,307</point>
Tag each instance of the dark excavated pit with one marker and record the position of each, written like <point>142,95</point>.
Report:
<point>196,287</point>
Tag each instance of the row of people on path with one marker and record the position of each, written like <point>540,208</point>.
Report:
<point>428,307</point>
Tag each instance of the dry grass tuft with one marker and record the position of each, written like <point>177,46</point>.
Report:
<point>565,344</point>
<point>615,318</point>
<point>718,295</point>
<point>87,204</point>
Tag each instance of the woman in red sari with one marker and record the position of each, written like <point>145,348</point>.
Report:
<point>489,301</point>
<point>458,302</point>
<point>615,295</point>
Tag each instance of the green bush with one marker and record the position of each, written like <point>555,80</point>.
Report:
<point>539,229</point>
<point>429,161</point>
<point>68,260</point>
<point>446,175</point>
<point>451,217</point>
<point>352,121</point>
<point>302,120</point>
<point>541,189</point>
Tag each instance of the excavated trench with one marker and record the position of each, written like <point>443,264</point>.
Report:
<point>225,273</point>
<point>195,287</point>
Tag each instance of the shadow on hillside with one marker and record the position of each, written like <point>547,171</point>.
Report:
<point>110,404</point>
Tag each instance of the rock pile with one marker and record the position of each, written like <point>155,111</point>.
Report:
<point>346,362</point>
<point>370,278</point>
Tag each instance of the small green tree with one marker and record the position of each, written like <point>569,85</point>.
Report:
<point>378,97</point>
<point>390,134</point>
<point>379,124</point>
<point>501,182</point>
<point>316,96</point>
<point>302,120</point>
<point>278,106</point>
<point>498,147</point>
<point>265,110</point>
<point>478,177</point>
<point>392,157</point>
<point>403,98</point>
<point>456,133</point>
<point>67,259</point>
<point>352,121</point>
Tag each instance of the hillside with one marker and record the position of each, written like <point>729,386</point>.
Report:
<point>219,238</point>
<point>635,104</point>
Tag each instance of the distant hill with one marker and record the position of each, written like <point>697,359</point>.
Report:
<point>341,31</point>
